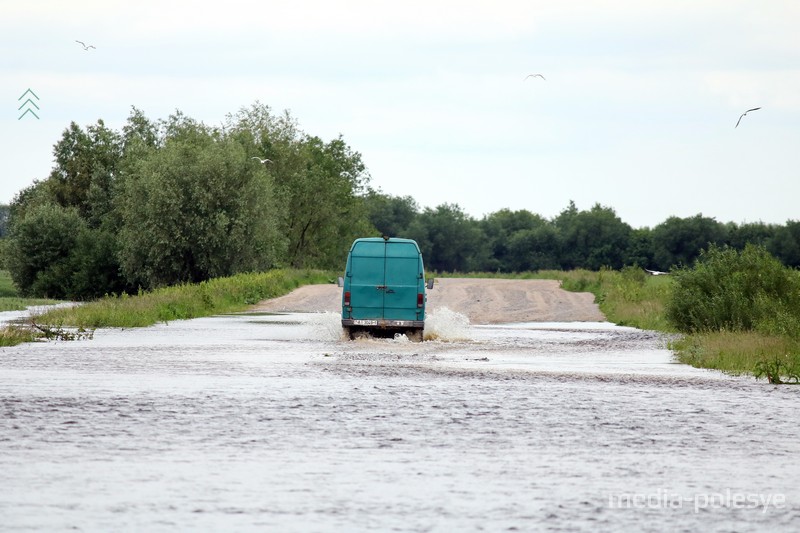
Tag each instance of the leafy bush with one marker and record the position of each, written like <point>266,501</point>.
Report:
<point>40,256</point>
<point>778,371</point>
<point>53,253</point>
<point>730,290</point>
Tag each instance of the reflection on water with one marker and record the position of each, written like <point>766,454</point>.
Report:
<point>274,422</point>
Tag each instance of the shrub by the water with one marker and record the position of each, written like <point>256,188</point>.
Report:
<point>731,290</point>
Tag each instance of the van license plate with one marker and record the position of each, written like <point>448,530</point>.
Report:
<point>365,322</point>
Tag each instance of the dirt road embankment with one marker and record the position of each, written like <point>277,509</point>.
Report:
<point>483,301</point>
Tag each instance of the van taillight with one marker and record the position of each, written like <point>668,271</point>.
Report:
<point>347,298</point>
<point>420,299</point>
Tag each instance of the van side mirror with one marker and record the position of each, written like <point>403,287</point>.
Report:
<point>429,284</point>
<point>340,281</point>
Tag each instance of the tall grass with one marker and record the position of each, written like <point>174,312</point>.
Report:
<point>216,296</point>
<point>736,352</point>
<point>629,297</point>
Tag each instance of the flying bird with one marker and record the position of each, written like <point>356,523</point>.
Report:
<point>263,161</point>
<point>85,47</point>
<point>534,76</point>
<point>656,272</point>
<point>743,114</point>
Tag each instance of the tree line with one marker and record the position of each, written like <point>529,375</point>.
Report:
<point>517,241</point>
<point>169,201</point>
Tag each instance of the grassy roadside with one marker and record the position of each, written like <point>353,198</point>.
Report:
<point>633,298</point>
<point>629,297</point>
<point>213,297</point>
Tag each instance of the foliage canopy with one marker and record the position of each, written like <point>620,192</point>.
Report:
<point>731,290</point>
<point>169,201</point>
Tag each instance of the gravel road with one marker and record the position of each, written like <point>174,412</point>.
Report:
<point>483,301</point>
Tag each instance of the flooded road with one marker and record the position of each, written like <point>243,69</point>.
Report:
<point>273,423</point>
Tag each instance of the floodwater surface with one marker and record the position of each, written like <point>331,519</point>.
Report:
<point>275,423</point>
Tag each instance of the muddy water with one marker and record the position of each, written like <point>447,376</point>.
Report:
<point>273,423</point>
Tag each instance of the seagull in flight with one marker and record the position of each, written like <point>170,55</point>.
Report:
<point>534,76</point>
<point>743,114</point>
<point>84,45</point>
<point>263,161</point>
<point>656,272</point>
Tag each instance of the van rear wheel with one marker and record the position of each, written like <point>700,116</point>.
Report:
<point>358,333</point>
<point>414,335</point>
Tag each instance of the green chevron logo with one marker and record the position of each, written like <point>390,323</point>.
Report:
<point>28,104</point>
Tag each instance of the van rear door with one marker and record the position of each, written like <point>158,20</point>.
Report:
<point>402,281</point>
<point>367,275</point>
<point>384,280</point>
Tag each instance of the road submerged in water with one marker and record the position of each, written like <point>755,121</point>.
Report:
<point>274,422</point>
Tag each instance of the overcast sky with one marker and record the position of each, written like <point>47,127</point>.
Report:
<point>637,111</point>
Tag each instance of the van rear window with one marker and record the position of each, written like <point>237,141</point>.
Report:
<point>401,249</point>
<point>368,249</point>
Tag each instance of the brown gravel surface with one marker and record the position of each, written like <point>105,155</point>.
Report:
<point>483,301</point>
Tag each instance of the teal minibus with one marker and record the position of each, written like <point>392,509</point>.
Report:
<point>383,289</point>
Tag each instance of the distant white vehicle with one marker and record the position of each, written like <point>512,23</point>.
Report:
<point>656,272</point>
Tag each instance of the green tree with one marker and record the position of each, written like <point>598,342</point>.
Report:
<point>325,211</point>
<point>534,249</point>
<point>197,208</point>
<point>758,233</point>
<point>640,249</point>
<point>4,212</point>
<point>519,241</point>
<point>679,241</point>
<point>139,132</point>
<point>785,243</point>
<point>85,170</point>
<point>319,185</point>
<point>95,266</point>
<point>391,215</point>
<point>41,258</point>
<point>448,238</point>
<point>592,239</point>
<point>67,257</point>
